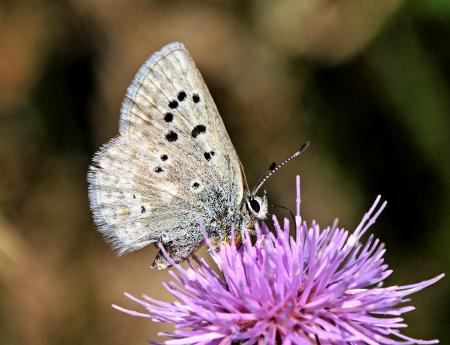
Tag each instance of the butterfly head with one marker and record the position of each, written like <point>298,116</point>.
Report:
<point>257,206</point>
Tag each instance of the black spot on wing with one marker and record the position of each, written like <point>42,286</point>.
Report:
<point>172,136</point>
<point>181,96</point>
<point>168,117</point>
<point>164,157</point>
<point>199,129</point>
<point>196,98</point>
<point>209,155</point>
<point>173,104</point>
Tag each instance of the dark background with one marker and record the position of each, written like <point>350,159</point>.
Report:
<point>366,81</point>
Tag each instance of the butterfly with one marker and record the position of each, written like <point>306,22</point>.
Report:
<point>171,167</point>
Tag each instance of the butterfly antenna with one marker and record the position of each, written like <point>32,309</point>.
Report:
<point>274,168</point>
<point>285,208</point>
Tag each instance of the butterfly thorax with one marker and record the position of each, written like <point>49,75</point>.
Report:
<point>250,211</point>
<point>229,227</point>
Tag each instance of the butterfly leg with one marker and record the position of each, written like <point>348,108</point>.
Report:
<point>160,261</point>
<point>176,253</point>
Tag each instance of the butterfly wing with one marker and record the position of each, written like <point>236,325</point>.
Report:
<point>172,164</point>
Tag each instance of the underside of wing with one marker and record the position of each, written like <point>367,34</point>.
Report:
<point>172,164</point>
<point>134,199</point>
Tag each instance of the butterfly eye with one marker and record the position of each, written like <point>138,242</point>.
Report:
<point>255,206</point>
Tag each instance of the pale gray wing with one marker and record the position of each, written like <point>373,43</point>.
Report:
<point>172,164</point>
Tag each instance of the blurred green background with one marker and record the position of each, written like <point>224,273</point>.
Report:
<point>368,82</point>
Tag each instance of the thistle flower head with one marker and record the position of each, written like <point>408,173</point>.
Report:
<point>317,286</point>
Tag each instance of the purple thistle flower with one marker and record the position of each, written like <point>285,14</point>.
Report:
<point>321,286</point>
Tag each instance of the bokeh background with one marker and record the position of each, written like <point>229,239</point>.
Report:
<point>366,81</point>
